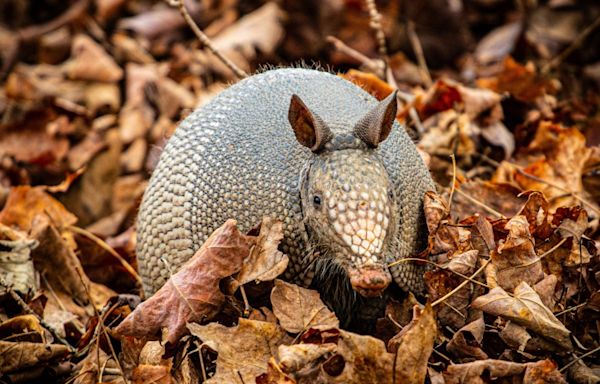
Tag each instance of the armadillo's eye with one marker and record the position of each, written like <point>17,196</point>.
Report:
<point>391,194</point>
<point>317,201</point>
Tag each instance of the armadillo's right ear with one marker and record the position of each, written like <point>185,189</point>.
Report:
<point>309,129</point>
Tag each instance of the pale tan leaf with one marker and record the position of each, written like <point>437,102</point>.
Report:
<point>299,308</point>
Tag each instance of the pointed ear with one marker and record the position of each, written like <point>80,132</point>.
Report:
<point>309,129</point>
<point>377,124</point>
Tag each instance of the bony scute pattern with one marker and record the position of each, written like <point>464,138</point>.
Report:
<point>245,155</point>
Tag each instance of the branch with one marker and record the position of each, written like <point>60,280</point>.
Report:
<point>239,73</point>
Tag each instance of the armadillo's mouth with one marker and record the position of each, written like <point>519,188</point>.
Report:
<point>369,280</point>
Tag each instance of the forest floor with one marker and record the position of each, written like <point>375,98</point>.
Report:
<point>502,99</point>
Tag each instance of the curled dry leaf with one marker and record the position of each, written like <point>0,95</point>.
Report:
<point>298,309</point>
<point>369,82</point>
<point>515,259</point>
<point>265,262</point>
<point>293,358</point>
<point>515,336</point>
<point>543,371</point>
<point>91,62</point>
<point>244,349</point>
<point>20,355</point>
<point>467,341</point>
<point>453,310</point>
<point>25,202</point>
<point>413,345</point>
<point>16,265</point>
<point>193,293</point>
<point>525,308</point>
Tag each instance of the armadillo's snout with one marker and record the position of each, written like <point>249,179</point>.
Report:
<point>369,280</point>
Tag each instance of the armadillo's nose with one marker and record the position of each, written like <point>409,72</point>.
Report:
<point>369,280</point>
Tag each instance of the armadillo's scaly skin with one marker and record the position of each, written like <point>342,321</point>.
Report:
<point>237,157</point>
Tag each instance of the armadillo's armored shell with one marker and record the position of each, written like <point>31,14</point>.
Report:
<point>237,157</point>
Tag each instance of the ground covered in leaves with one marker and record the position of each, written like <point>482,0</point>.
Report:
<point>501,98</point>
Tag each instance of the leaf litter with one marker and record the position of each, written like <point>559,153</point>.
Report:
<point>91,92</point>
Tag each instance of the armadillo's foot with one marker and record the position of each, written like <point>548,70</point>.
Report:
<point>369,280</point>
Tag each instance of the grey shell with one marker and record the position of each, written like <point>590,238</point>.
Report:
<point>237,157</point>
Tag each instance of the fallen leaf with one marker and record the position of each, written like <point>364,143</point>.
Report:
<point>466,342</point>
<point>298,309</point>
<point>20,355</point>
<point>525,308</point>
<point>413,346</point>
<point>474,373</point>
<point>522,82</point>
<point>515,336</point>
<point>453,310</point>
<point>24,203</point>
<point>293,358</point>
<point>193,293</point>
<point>91,62</point>
<point>16,265</point>
<point>265,262</point>
<point>515,259</point>
<point>244,350</point>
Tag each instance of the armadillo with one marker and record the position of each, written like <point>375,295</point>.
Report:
<point>308,148</point>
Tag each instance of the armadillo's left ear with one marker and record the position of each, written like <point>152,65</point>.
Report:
<point>310,130</point>
<point>377,124</point>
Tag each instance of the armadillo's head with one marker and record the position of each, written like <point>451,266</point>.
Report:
<point>347,196</point>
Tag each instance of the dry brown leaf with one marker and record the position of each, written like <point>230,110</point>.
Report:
<point>413,345</point>
<point>453,310</point>
<point>25,203</point>
<point>498,43</point>
<point>20,355</point>
<point>515,260</point>
<point>265,262</point>
<point>525,308</point>
<point>515,336</point>
<point>274,375</point>
<point>543,371</point>
<point>293,358</point>
<point>522,82</point>
<point>502,198</point>
<point>369,82</point>
<point>34,146</point>
<point>244,349</point>
<point>193,293</point>
<point>466,342</point>
<point>91,62</point>
<point>95,360</point>
<point>261,31</point>
<point>158,374</point>
<point>298,309</point>
<point>564,157</point>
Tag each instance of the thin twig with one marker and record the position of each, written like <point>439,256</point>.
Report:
<point>30,311</point>
<point>481,204</point>
<point>406,259</point>
<point>579,358</point>
<point>418,50</point>
<point>101,324</point>
<point>371,65</point>
<point>453,182</point>
<point>102,244</point>
<point>375,24</point>
<point>576,43</point>
<point>461,285</point>
<point>239,73</point>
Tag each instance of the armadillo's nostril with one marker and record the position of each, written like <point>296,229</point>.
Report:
<point>369,280</point>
